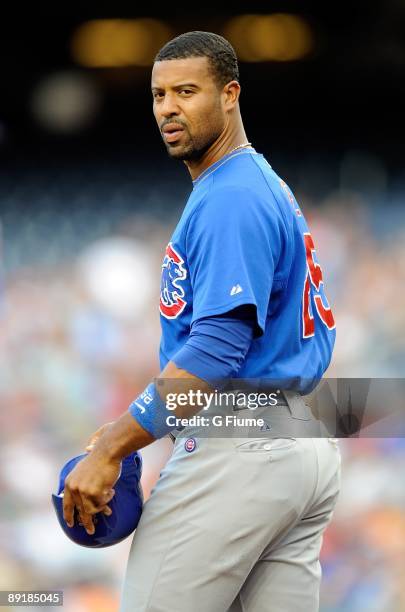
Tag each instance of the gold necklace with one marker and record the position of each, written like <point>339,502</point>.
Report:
<point>204,174</point>
<point>246,144</point>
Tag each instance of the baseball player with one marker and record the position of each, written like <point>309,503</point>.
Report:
<point>235,522</point>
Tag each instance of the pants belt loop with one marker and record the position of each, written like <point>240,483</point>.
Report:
<point>297,406</point>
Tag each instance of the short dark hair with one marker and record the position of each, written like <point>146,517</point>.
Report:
<point>216,48</point>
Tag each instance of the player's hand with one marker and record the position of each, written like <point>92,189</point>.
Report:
<point>89,488</point>
<point>96,435</point>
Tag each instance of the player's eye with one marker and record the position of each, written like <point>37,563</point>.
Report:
<point>157,95</point>
<point>185,92</point>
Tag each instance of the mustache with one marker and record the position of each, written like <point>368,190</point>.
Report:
<point>169,121</point>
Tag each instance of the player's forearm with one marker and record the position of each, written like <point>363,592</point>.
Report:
<point>127,435</point>
<point>174,380</point>
<point>215,350</point>
<point>123,437</point>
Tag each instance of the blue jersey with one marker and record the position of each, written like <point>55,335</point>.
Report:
<point>242,239</point>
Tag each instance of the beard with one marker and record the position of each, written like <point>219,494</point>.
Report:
<point>194,147</point>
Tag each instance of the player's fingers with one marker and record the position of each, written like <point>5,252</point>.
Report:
<point>87,521</point>
<point>86,518</point>
<point>108,497</point>
<point>93,505</point>
<point>68,508</point>
<point>107,511</point>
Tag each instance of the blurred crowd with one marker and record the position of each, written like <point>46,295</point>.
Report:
<point>79,333</point>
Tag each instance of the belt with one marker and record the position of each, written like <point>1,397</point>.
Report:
<point>290,399</point>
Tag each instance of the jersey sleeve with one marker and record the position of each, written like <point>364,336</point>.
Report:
<point>231,244</point>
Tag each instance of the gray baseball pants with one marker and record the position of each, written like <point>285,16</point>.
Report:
<point>235,525</point>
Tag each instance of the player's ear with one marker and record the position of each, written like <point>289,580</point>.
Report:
<point>231,93</point>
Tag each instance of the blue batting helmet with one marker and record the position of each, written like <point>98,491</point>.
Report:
<point>126,506</point>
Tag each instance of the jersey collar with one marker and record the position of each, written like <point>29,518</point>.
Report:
<point>221,161</point>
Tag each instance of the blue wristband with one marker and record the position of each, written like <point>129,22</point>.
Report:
<point>150,411</point>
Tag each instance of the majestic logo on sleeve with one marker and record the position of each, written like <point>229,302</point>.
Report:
<point>171,291</point>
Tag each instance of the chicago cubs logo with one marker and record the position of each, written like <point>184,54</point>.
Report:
<point>171,292</point>
<point>190,445</point>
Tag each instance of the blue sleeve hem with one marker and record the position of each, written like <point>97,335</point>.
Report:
<point>216,348</point>
<point>227,307</point>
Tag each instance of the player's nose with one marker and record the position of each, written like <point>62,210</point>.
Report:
<point>169,107</point>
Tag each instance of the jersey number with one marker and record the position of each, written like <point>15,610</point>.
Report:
<point>314,285</point>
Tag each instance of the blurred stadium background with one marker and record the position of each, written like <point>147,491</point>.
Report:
<point>88,200</point>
